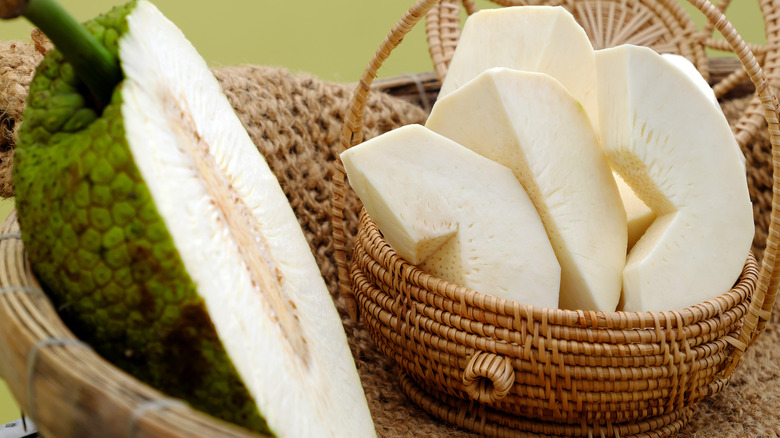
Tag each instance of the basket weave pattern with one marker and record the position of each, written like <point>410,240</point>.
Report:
<point>562,366</point>
<point>505,369</point>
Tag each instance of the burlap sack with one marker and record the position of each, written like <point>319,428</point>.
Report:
<point>295,121</point>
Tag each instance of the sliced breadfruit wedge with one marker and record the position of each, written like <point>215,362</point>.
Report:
<point>456,214</point>
<point>544,39</point>
<point>530,123</point>
<point>166,242</point>
<point>675,149</point>
<point>638,215</point>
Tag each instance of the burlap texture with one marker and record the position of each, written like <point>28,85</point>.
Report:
<point>295,121</point>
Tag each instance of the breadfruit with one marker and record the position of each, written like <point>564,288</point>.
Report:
<point>165,241</point>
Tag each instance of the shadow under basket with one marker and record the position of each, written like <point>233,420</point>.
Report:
<point>505,369</point>
<point>499,368</point>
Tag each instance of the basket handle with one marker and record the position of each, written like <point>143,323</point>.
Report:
<point>488,377</point>
<point>764,296</point>
<point>352,134</point>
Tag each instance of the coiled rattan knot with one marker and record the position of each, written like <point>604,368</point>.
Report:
<point>488,377</point>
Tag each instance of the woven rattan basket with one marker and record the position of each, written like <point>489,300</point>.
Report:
<point>505,369</point>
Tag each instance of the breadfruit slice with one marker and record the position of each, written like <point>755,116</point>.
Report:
<point>531,124</point>
<point>167,243</point>
<point>675,149</point>
<point>639,216</point>
<point>543,39</point>
<point>456,214</point>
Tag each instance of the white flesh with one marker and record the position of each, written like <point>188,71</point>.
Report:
<point>544,39</point>
<point>475,224</point>
<point>531,124</point>
<point>676,151</point>
<point>684,65</point>
<point>178,121</point>
<point>638,215</point>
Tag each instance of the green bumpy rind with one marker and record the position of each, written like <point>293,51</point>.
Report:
<point>101,250</point>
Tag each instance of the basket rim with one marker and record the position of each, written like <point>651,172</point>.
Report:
<point>716,307</point>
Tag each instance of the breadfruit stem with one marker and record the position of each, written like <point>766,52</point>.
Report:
<point>93,64</point>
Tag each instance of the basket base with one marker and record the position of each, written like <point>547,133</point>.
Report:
<point>489,422</point>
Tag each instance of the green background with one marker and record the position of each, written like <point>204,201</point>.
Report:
<point>331,39</point>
